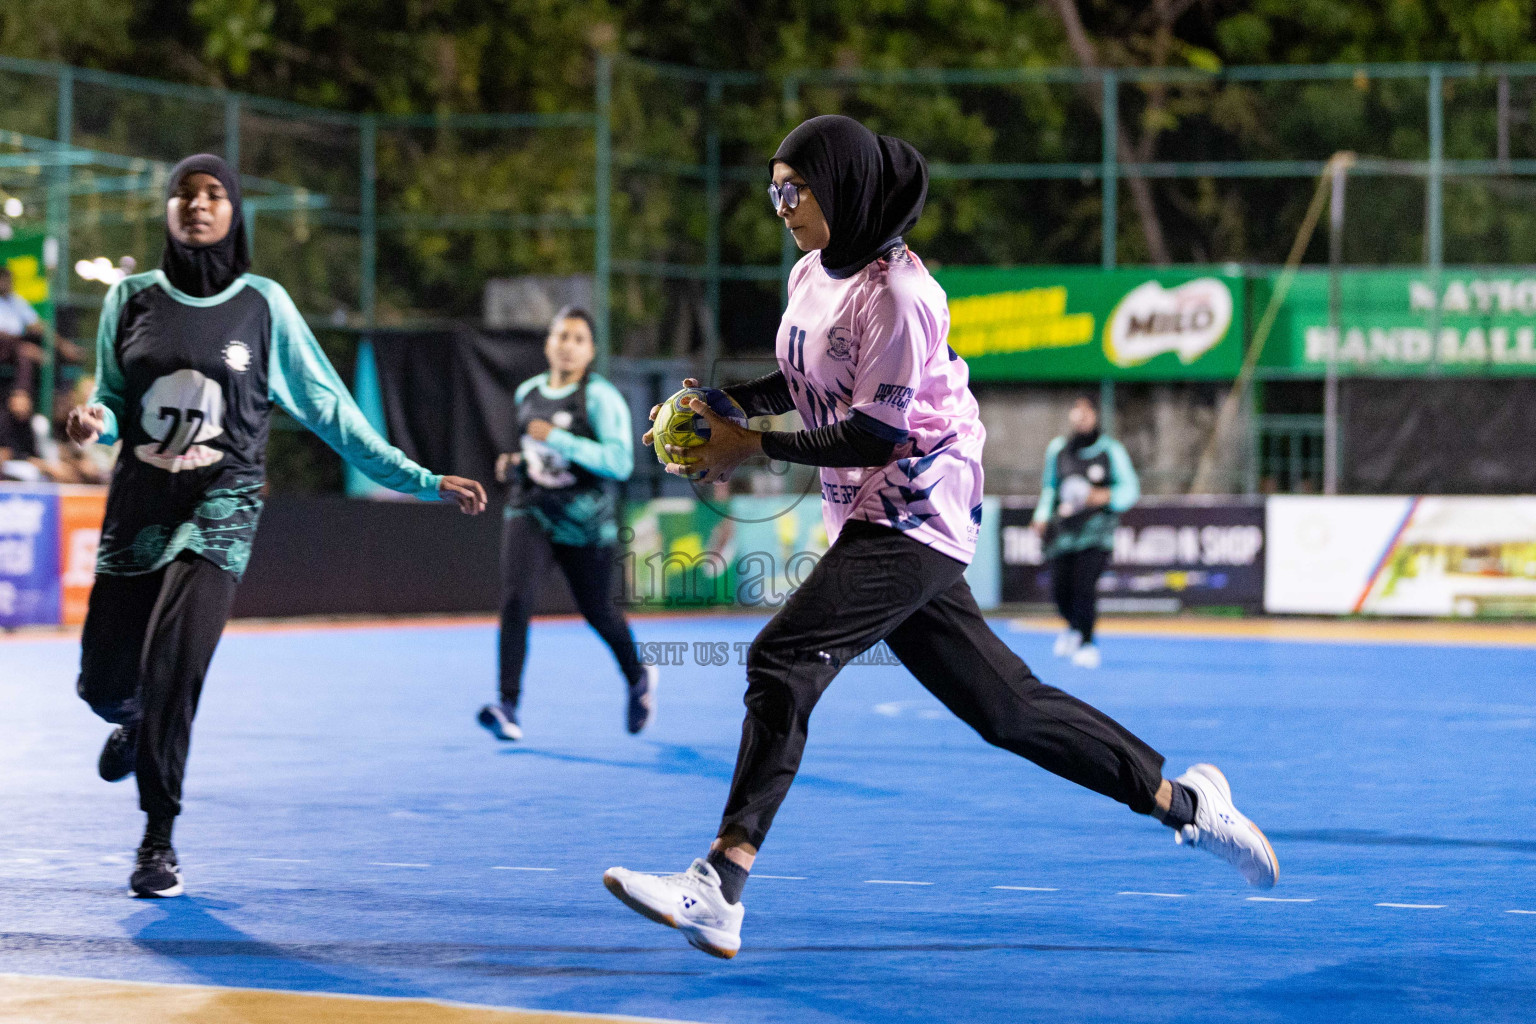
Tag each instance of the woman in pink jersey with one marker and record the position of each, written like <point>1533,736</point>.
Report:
<point>891,422</point>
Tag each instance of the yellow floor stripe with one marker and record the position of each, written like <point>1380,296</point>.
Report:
<point>89,1001</point>
<point>1345,631</point>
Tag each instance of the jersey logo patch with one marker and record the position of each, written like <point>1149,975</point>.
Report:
<point>893,395</point>
<point>562,419</point>
<point>1096,473</point>
<point>237,356</point>
<point>840,344</point>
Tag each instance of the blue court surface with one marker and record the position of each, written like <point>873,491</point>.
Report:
<point>350,829</point>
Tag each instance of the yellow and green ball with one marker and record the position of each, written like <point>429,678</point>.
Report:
<point>679,426</point>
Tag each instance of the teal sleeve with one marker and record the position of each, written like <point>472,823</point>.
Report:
<point>1125,491</point>
<point>111,387</point>
<point>611,454</point>
<point>302,380</point>
<point>1047,504</point>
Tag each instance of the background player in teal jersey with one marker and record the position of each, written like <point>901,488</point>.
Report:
<point>191,359</point>
<point>562,508</point>
<point>1088,481</point>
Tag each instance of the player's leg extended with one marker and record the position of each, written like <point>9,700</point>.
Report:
<point>111,649</point>
<point>589,571</point>
<point>867,582</point>
<point>949,647</point>
<point>525,558</point>
<point>195,600</point>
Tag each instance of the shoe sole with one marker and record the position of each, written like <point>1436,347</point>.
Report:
<point>157,894</point>
<point>650,714</point>
<point>496,729</point>
<point>1213,773</point>
<point>695,938</point>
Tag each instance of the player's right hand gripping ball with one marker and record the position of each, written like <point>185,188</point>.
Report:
<point>681,427</point>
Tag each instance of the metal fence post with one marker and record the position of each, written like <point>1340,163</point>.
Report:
<point>58,221</point>
<point>1336,325</point>
<point>602,270</point>
<point>1110,167</point>
<point>1434,202</point>
<point>232,131</point>
<point>713,98</point>
<point>368,223</point>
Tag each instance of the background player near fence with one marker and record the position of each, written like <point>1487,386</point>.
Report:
<point>1088,481</point>
<point>863,358</point>
<point>191,358</point>
<point>575,444</point>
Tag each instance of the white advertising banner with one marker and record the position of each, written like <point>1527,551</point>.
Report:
<point>1432,556</point>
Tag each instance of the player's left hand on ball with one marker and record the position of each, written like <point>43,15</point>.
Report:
<point>646,438</point>
<point>468,493</point>
<point>729,445</point>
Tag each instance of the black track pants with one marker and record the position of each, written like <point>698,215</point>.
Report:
<point>144,653</point>
<point>526,552</point>
<point>1075,586</point>
<point>876,584</point>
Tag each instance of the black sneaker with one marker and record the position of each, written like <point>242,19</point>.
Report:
<point>119,753</point>
<point>642,699</point>
<point>156,873</point>
<point>500,720</point>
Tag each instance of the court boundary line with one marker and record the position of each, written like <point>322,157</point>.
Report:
<point>511,1012</point>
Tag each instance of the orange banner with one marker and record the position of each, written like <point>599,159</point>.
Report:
<point>81,511</point>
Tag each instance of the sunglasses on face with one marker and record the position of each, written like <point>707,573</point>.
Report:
<point>786,195</point>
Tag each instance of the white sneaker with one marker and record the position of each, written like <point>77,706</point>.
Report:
<point>1087,656</point>
<point>1067,643</point>
<point>690,902</point>
<point>1223,830</point>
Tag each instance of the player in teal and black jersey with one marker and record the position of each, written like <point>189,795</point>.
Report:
<point>574,447</point>
<point>191,359</point>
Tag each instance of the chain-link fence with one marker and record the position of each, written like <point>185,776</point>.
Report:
<point>652,185</point>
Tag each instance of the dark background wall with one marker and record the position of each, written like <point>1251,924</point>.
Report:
<point>331,556</point>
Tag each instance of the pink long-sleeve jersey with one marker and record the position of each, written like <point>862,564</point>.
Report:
<point>872,348</point>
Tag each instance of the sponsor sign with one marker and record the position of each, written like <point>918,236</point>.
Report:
<point>1080,324</point>
<point>1436,556</point>
<point>24,253</point>
<point>1166,557</point>
<point>746,551</point>
<point>81,511</point>
<point>29,556</point>
<point>1401,322</point>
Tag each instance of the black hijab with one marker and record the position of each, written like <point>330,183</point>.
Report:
<point>204,270</point>
<point>870,187</point>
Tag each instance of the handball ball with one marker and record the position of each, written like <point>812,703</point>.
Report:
<point>681,427</point>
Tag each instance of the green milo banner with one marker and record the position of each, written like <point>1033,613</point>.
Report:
<point>1405,322</point>
<point>23,254</point>
<point>1084,324</point>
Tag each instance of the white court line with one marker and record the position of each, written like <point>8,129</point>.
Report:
<point>280,860</point>
<point>1278,899</point>
<point>785,878</point>
<point>1414,906</point>
<point>1165,895</point>
<point>891,881</point>
<point>1026,888</point>
<point>1520,911</point>
<point>392,864</point>
<point>503,867</point>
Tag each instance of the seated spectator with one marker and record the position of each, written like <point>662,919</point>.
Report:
<point>22,334</point>
<point>27,452</point>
